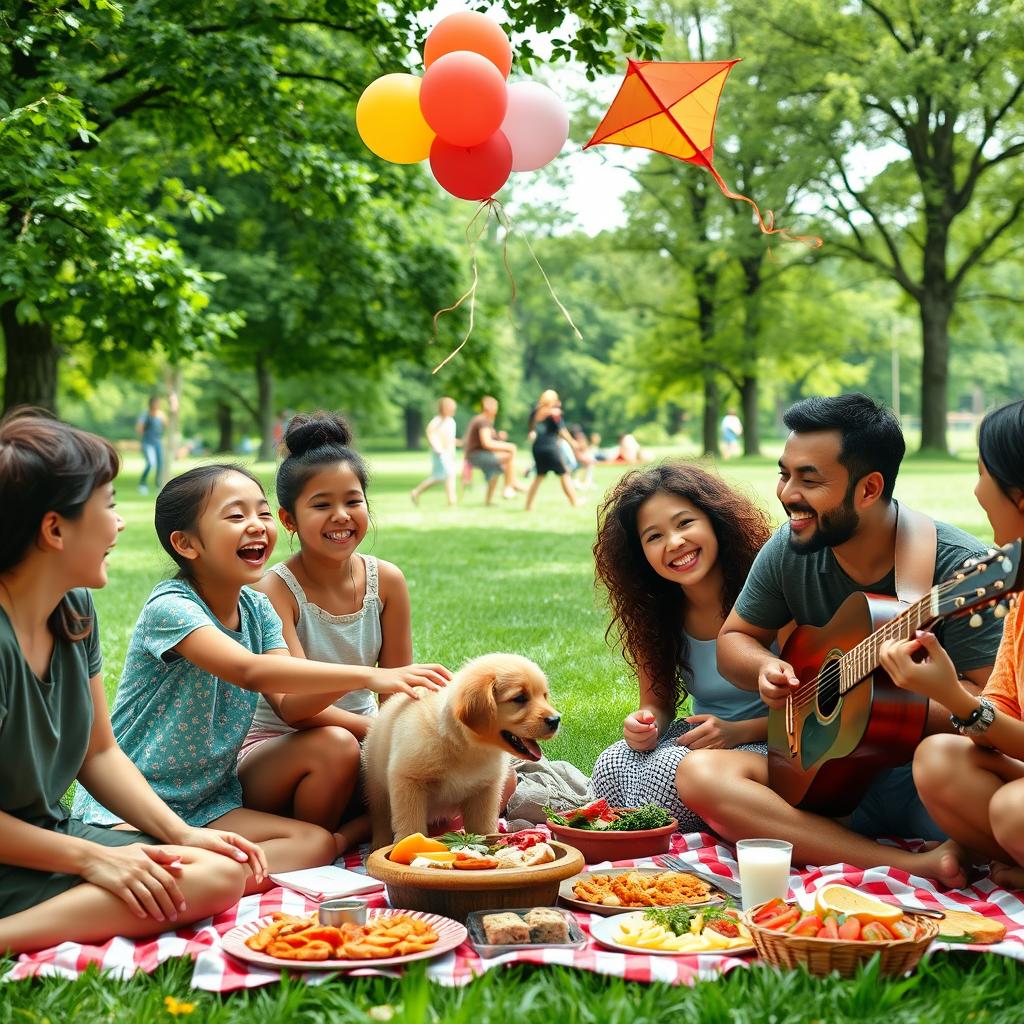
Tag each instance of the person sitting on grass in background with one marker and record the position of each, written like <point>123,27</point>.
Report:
<point>973,784</point>
<point>62,880</point>
<point>204,647</point>
<point>585,457</point>
<point>487,452</point>
<point>837,477</point>
<point>674,545</point>
<point>337,606</point>
<point>441,437</point>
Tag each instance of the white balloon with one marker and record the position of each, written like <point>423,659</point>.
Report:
<point>536,125</point>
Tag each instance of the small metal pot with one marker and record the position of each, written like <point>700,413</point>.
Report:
<point>337,912</point>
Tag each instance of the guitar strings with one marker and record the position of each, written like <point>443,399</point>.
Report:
<point>808,691</point>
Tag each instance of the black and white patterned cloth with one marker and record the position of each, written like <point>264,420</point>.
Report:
<point>629,778</point>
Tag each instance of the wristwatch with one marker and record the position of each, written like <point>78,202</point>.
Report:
<point>978,720</point>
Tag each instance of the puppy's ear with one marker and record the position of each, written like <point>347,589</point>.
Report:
<point>475,706</point>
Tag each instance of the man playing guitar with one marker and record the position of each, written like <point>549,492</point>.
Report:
<point>837,474</point>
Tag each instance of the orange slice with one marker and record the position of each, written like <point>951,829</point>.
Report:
<point>841,899</point>
<point>412,846</point>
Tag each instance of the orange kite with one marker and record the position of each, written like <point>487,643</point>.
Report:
<point>670,107</point>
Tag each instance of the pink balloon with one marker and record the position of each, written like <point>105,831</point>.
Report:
<point>472,172</point>
<point>536,125</point>
<point>463,98</point>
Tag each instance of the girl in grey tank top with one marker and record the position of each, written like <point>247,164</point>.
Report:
<point>338,639</point>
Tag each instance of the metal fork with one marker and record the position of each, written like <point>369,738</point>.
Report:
<point>726,885</point>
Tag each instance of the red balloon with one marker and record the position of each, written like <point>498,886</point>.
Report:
<point>463,98</point>
<point>472,172</point>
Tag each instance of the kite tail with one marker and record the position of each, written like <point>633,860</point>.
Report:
<point>474,232</point>
<point>766,224</point>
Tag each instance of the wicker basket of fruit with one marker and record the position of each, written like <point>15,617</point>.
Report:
<point>845,929</point>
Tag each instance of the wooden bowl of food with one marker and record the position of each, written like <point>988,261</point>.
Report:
<point>598,841</point>
<point>455,893</point>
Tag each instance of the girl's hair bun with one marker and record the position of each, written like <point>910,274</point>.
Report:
<point>319,430</point>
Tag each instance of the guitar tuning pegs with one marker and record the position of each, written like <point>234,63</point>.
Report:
<point>974,621</point>
<point>990,552</point>
<point>999,611</point>
<point>1006,565</point>
<point>969,563</point>
<point>959,576</point>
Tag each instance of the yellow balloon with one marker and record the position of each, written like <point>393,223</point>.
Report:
<point>390,122</point>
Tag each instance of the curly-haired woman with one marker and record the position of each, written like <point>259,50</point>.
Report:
<point>674,546</point>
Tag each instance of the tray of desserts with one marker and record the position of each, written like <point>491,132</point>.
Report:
<point>493,932</point>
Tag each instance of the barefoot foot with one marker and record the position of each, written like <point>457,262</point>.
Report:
<point>1008,876</point>
<point>947,864</point>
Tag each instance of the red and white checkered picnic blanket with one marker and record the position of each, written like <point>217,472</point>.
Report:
<point>215,971</point>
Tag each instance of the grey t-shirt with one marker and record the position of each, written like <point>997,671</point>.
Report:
<point>784,586</point>
<point>45,724</point>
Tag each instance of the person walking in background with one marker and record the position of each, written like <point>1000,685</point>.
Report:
<point>547,450</point>
<point>487,452</point>
<point>150,427</point>
<point>441,432</point>
<point>732,431</point>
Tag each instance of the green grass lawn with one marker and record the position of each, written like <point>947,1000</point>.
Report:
<point>489,579</point>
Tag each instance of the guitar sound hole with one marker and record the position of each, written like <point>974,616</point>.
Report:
<point>828,689</point>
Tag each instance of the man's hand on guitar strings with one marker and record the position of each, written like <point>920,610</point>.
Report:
<point>933,675</point>
<point>776,683</point>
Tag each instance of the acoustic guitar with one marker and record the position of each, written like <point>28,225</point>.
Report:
<point>848,721</point>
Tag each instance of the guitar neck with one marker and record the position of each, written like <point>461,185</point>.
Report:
<point>861,661</point>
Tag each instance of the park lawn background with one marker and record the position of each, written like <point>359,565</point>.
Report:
<point>485,579</point>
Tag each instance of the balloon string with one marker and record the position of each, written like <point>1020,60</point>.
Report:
<point>472,240</point>
<point>489,207</point>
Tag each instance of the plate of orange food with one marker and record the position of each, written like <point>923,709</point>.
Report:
<point>608,891</point>
<point>300,942</point>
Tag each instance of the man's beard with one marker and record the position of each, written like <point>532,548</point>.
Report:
<point>833,528</point>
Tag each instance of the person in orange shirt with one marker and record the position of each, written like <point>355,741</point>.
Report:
<point>973,784</point>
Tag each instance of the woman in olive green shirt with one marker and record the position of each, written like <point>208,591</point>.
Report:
<point>60,879</point>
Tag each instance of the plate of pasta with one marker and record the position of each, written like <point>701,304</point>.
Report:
<point>675,931</point>
<point>619,890</point>
<point>300,942</point>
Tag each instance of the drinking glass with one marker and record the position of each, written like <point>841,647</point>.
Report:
<point>764,870</point>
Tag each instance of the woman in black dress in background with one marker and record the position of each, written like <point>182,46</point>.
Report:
<point>547,454</point>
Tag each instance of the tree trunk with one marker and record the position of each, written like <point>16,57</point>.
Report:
<point>265,408</point>
<point>935,314</point>
<point>751,428</point>
<point>172,436</point>
<point>414,427</point>
<point>712,407</point>
<point>32,360</point>
<point>225,427</point>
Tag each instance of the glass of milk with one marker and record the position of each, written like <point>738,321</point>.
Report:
<point>764,869</point>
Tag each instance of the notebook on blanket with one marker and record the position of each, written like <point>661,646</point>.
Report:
<point>327,883</point>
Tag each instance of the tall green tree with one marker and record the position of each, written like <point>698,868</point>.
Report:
<point>933,90</point>
<point>98,99</point>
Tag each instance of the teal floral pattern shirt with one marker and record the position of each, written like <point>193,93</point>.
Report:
<point>181,725</point>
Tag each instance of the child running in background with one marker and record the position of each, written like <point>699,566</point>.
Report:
<point>973,784</point>
<point>336,605</point>
<point>441,431</point>
<point>674,546</point>
<point>61,879</point>
<point>204,647</point>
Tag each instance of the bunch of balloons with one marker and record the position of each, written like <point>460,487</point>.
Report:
<point>475,127</point>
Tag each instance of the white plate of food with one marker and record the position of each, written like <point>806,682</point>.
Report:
<point>619,890</point>
<point>300,943</point>
<point>675,931</point>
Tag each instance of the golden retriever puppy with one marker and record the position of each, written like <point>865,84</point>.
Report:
<point>449,751</point>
